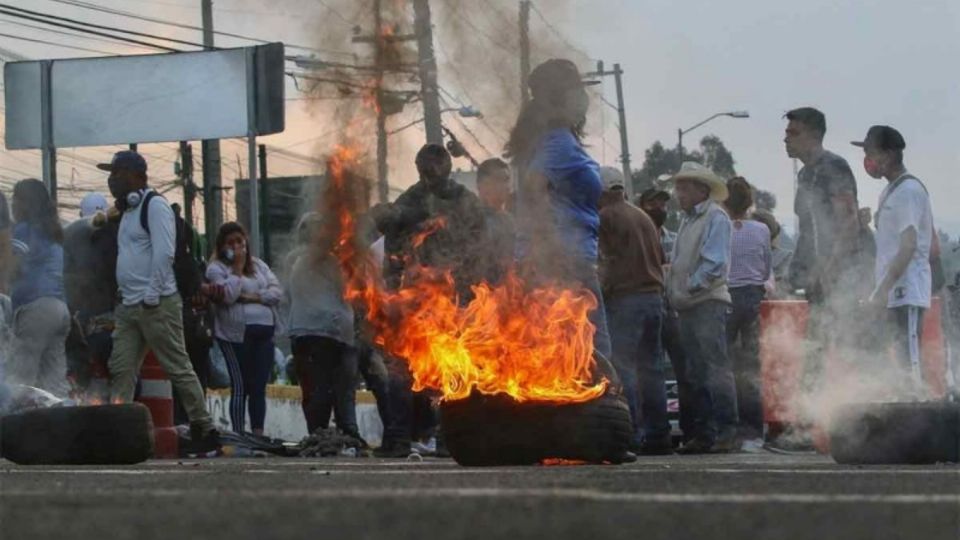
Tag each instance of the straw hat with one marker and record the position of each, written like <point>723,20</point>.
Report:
<point>691,170</point>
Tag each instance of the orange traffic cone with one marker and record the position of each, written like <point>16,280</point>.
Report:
<point>156,393</point>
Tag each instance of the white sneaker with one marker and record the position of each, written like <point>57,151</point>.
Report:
<point>752,446</point>
<point>425,449</point>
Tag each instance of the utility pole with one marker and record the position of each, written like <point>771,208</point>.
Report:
<point>524,51</point>
<point>383,180</point>
<point>617,74</point>
<point>430,94</point>
<point>265,205</point>
<point>186,178</point>
<point>210,149</point>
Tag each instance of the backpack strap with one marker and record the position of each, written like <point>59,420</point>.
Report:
<point>145,210</point>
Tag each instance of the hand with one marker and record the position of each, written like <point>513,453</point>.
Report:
<point>382,214</point>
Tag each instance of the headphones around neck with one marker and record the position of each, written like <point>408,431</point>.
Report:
<point>134,198</point>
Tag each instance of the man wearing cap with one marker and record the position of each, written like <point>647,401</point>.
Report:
<point>697,289</point>
<point>904,238</point>
<point>150,313</point>
<point>90,285</point>
<point>631,278</point>
<point>654,202</point>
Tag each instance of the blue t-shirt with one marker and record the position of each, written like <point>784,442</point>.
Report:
<point>574,185</point>
<point>41,266</point>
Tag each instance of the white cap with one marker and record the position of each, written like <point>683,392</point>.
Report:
<point>93,203</point>
<point>612,178</point>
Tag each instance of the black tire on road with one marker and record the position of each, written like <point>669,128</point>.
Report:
<point>496,430</point>
<point>94,435</point>
<point>896,433</point>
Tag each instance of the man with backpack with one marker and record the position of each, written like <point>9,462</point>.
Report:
<point>150,312</point>
<point>904,239</point>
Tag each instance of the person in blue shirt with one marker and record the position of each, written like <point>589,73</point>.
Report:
<point>559,190</point>
<point>41,320</point>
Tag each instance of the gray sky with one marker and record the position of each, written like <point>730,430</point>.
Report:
<point>861,62</point>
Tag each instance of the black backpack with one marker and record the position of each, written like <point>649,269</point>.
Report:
<point>186,268</point>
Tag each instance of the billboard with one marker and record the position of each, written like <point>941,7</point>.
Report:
<point>147,98</point>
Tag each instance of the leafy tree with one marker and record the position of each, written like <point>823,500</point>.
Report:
<point>659,160</point>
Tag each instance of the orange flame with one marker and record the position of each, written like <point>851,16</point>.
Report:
<point>530,343</point>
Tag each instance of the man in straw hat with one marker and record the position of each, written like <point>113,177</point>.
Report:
<point>697,289</point>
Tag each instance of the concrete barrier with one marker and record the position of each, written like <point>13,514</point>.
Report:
<point>285,416</point>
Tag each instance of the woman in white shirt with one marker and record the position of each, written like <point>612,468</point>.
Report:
<point>246,321</point>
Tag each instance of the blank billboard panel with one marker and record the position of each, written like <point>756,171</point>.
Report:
<point>149,98</point>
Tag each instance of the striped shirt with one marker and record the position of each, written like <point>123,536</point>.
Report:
<point>750,256</point>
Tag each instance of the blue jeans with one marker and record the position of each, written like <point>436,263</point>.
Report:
<point>744,326</point>
<point>703,329</point>
<point>635,322</point>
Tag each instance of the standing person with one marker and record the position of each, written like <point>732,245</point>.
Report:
<point>654,202</point>
<point>6,255</point>
<point>435,199</point>
<point>697,288</point>
<point>631,276</point>
<point>750,269</point>
<point>827,246</point>
<point>40,317</point>
<point>245,320</point>
<point>321,329</point>
<point>149,315</point>
<point>904,239</point>
<point>560,190</point>
<point>493,187</point>
<point>90,283</point>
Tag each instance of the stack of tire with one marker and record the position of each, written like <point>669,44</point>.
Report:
<point>86,435</point>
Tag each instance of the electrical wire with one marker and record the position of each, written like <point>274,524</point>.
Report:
<point>55,44</point>
<point>112,11</point>
<point>87,30</point>
<point>61,32</point>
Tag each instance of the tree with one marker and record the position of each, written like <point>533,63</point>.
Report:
<point>659,160</point>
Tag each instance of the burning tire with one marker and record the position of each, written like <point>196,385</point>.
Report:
<point>97,435</point>
<point>496,430</point>
<point>896,433</point>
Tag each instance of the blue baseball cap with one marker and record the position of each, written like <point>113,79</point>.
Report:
<point>127,160</point>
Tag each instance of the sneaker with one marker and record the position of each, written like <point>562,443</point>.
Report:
<point>393,449</point>
<point>791,442</point>
<point>752,446</point>
<point>204,444</point>
<point>428,448</point>
<point>657,447</point>
<point>727,442</point>
<point>695,446</point>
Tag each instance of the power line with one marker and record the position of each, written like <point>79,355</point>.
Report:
<point>61,32</point>
<point>55,44</point>
<point>100,26</point>
<point>112,11</point>
<point>86,30</point>
<point>556,32</point>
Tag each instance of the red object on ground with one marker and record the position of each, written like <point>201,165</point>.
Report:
<point>783,329</point>
<point>156,393</point>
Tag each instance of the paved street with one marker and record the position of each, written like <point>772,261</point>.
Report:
<point>743,496</point>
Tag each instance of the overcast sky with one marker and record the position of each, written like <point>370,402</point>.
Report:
<point>861,62</point>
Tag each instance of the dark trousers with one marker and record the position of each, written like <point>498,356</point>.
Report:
<point>332,369</point>
<point>375,376</point>
<point>673,346</point>
<point>250,364</point>
<point>703,329</point>
<point>743,342</point>
<point>635,323</point>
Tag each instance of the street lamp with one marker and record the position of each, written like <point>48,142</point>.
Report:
<point>682,132</point>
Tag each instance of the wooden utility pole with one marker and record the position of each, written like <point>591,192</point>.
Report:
<point>383,180</point>
<point>617,74</point>
<point>524,51</point>
<point>429,89</point>
<point>210,150</point>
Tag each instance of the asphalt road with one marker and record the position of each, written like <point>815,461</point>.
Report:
<point>712,497</point>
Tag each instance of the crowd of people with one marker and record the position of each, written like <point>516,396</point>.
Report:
<point>90,300</point>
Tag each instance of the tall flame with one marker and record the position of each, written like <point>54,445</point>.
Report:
<point>532,343</point>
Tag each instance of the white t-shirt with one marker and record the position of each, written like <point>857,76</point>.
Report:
<point>906,206</point>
